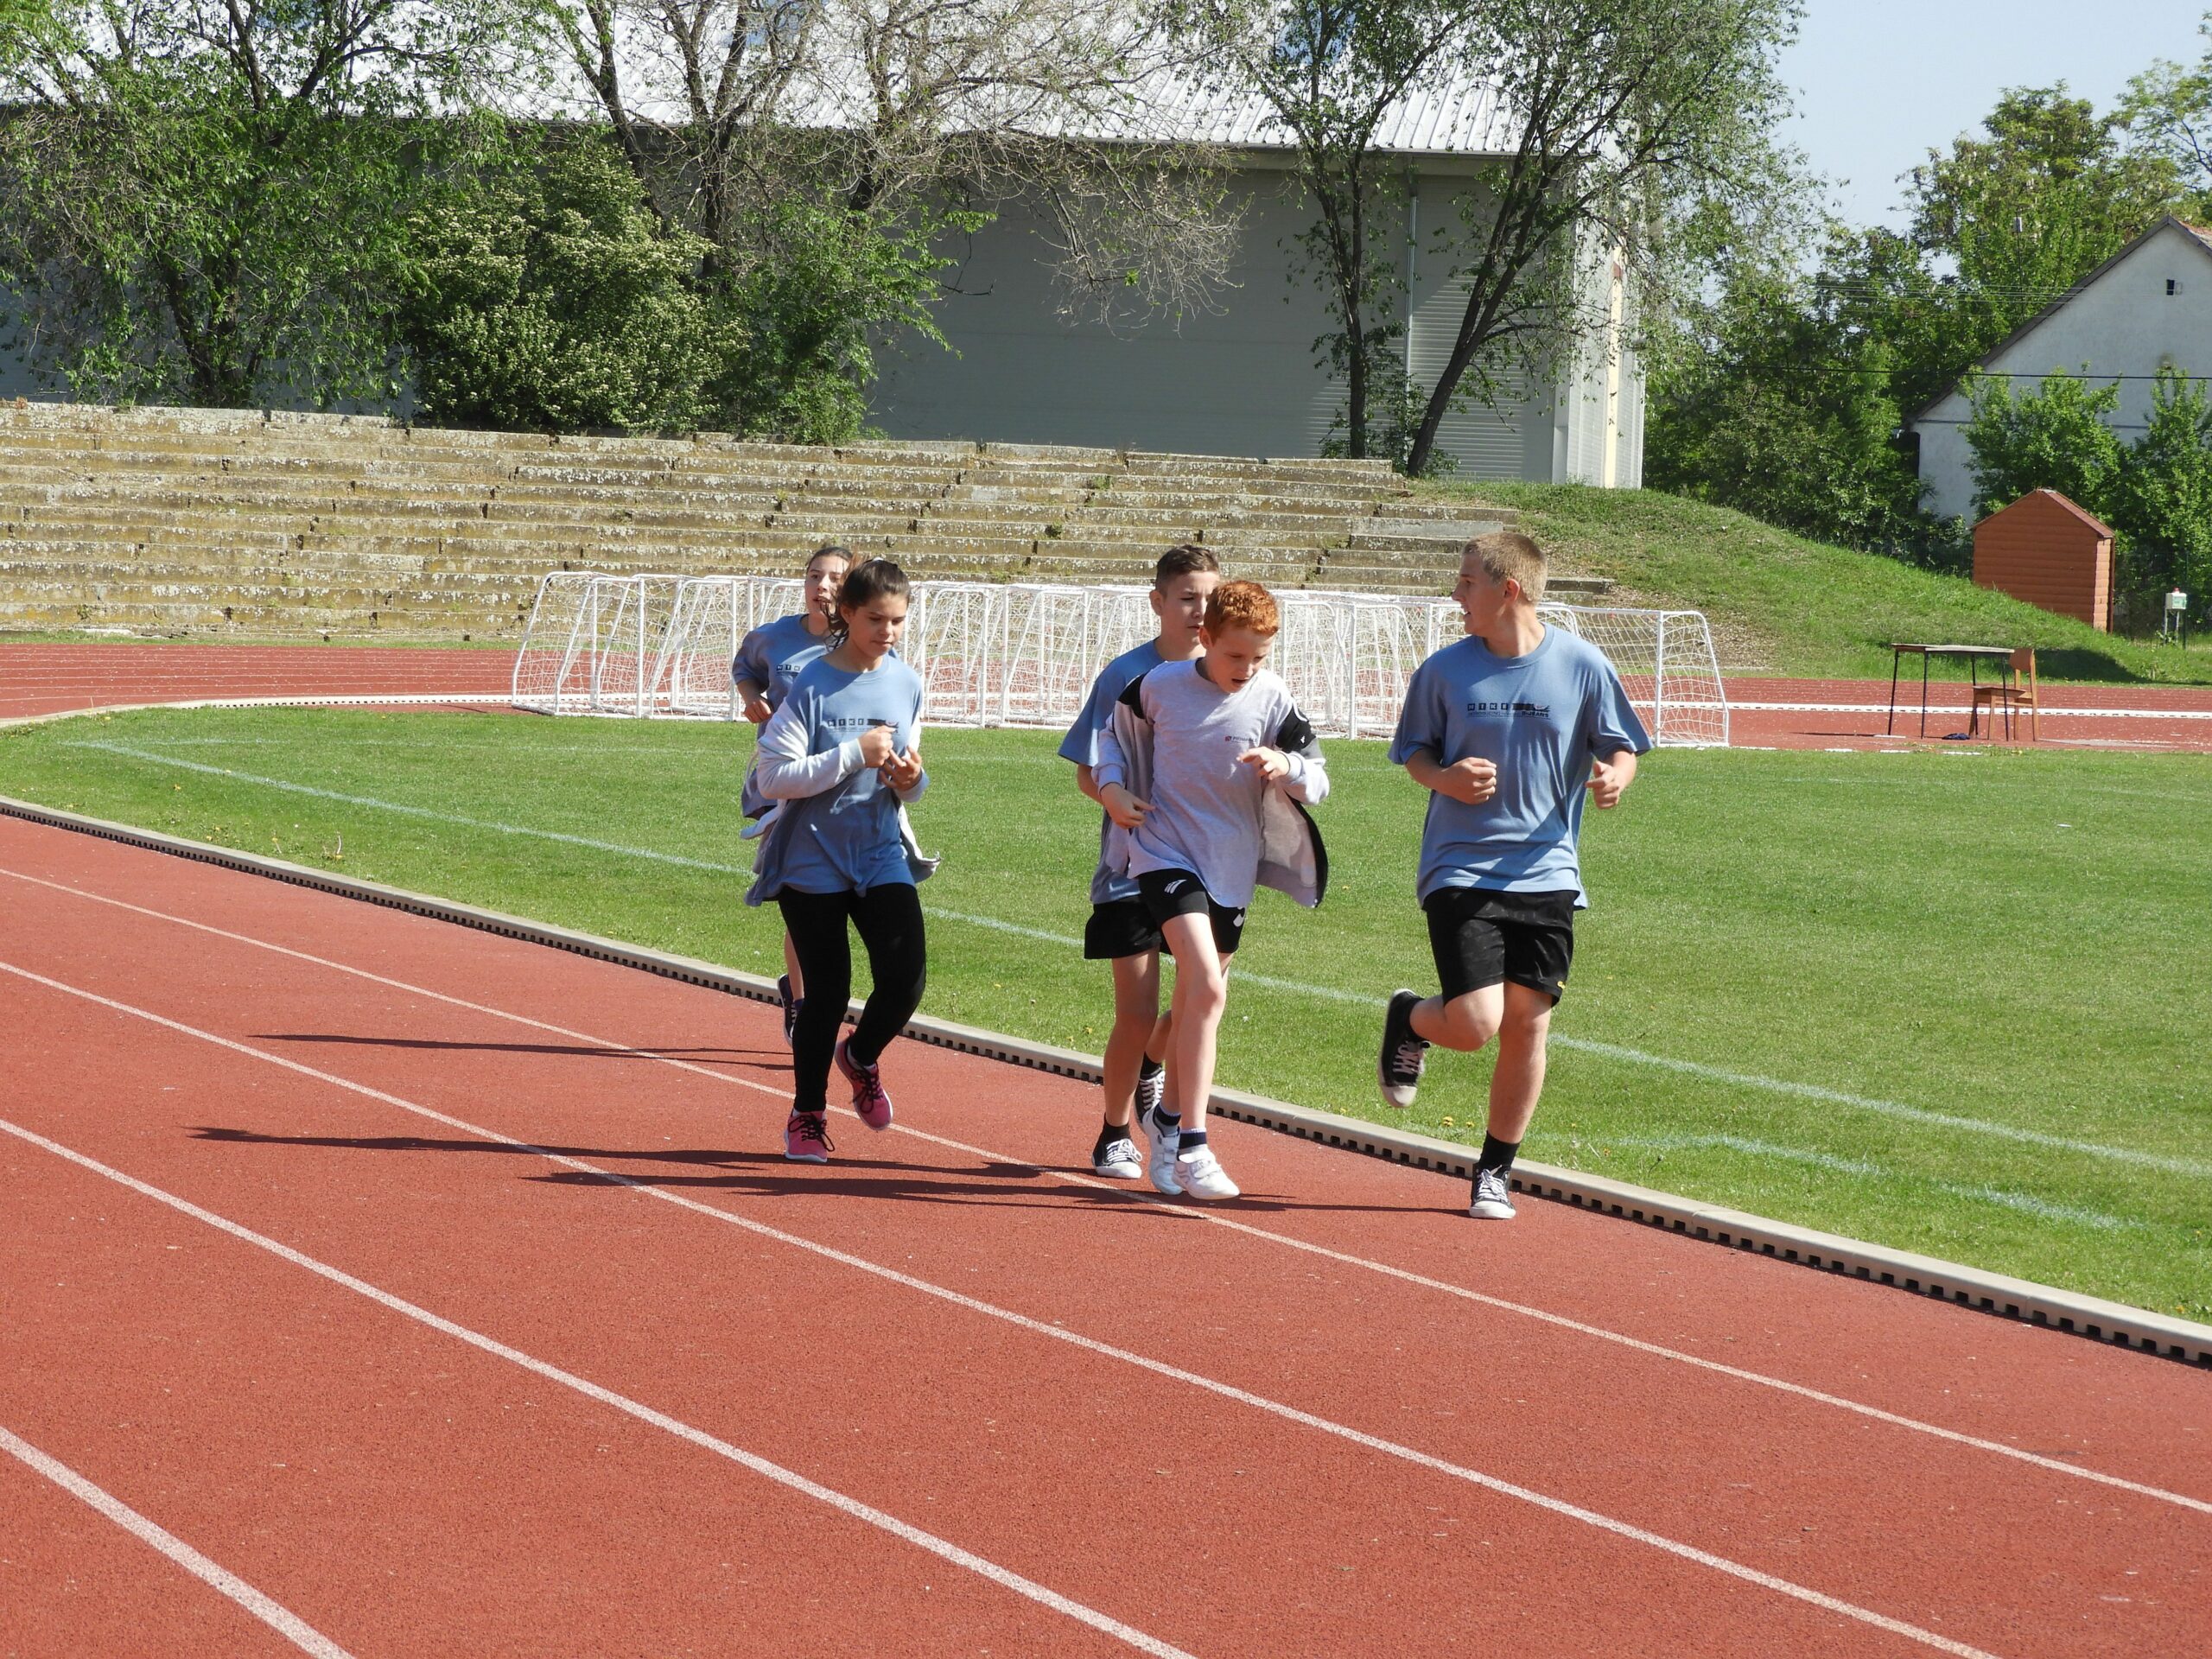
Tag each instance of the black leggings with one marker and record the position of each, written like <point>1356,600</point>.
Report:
<point>890,923</point>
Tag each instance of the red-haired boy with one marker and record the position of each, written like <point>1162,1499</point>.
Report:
<point>1207,768</point>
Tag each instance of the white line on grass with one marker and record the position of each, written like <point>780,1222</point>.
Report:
<point>281,1619</point>
<point>1980,1192</point>
<point>1560,1507</point>
<point>2174,1166</point>
<point>1558,1321</point>
<point>1004,1577</point>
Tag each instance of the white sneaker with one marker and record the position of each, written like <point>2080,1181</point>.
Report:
<point>1159,1158</point>
<point>1120,1162</point>
<point>1202,1175</point>
<point>1493,1196</point>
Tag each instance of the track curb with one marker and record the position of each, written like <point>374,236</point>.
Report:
<point>2111,1323</point>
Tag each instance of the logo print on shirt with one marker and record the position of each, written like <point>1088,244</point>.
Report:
<point>1518,710</point>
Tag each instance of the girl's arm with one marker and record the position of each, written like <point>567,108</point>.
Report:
<point>784,769</point>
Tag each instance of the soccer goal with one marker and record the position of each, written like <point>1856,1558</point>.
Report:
<point>1024,653</point>
<point>593,644</point>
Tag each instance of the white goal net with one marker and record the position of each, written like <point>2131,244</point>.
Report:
<point>1024,654</point>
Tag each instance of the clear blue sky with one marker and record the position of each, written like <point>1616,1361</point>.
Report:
<point>1881,82</point>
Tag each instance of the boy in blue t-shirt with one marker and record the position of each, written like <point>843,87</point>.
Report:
<point>1121,929</point>
<point>1508,730</point>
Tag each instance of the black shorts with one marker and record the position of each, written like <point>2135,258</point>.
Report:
<point>1482,937</point>
<point>1119,928</point>
<point>1178,892</point>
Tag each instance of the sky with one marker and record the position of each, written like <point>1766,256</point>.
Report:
<point>1881,82</point>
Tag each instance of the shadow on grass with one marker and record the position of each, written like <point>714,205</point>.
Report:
<point>768,1174</point>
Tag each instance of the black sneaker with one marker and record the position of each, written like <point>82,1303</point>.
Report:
<point>1403,1053</point>
<point>1493,1195</point>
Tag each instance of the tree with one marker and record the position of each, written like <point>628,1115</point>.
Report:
<point>2057,438</point>
<point>553,300</point>
<point>855,138</point>
<point>1331,71</point>
<point>2161,503</point>
<point>211,200</point>
<point>1779,401</point>
<point>1633,124</point>
<point>2167,110</point>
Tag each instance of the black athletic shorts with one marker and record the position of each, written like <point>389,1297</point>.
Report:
<point>1178,892</point>
<point>1118,928</point>
<point>1482,937</point>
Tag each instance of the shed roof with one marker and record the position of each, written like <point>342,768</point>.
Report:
<point>2053,498</point>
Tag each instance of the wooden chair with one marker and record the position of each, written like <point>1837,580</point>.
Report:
<point>2017,690</point>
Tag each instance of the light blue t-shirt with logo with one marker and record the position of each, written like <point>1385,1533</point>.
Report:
<point>837,828</point>
<point>1540,718</point>
<point>771,656</point>
<point>1108,883</point>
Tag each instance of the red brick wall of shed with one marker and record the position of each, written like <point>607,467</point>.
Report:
<point>2041,554</point>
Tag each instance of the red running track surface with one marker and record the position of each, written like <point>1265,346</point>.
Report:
<point>1041,1413</point>
<point>45,679</point>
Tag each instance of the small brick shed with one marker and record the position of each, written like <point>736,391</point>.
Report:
<point>2045,549</point>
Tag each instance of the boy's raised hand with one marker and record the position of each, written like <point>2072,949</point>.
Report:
<point>1123,807</point>
<point>1270,764</point>
<point>1471,780</point>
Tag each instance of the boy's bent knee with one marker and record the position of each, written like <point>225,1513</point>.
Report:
<point>1470,1020</point>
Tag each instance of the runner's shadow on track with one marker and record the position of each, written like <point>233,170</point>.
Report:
<point>589,1051</point>
<point>768,1174</point>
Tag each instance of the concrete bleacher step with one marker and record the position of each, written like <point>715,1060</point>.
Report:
<point>193,519</point>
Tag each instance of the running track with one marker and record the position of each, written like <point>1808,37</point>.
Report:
<point>44,679</point>
<point>401,1289</point>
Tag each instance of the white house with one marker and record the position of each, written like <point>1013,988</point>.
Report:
<point>1242,380</point>
<point>2149,306</point>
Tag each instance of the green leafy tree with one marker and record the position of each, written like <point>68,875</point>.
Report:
<point>2167,110</point>
<point>556,299</point>
<point>211,202</point>
<point>2058,437</point>
<point>2162,501</point>
<point>1782,408</point>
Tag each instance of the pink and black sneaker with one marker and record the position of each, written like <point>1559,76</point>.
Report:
<point>870,1103</point>
<point>806,1139</point>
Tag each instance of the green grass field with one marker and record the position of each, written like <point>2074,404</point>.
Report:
<point>1954,1002</point>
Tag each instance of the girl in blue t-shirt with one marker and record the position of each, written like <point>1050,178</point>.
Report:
<point>843,756</point>
<point>766,665</point>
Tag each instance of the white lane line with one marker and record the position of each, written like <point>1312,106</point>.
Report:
<point>1004,1577</point>
<point>1559,1321</point>
<point>1543,1501</point>
<point>1976,1192</point>
<point>287,1623</point>
<point>2173,1165</point>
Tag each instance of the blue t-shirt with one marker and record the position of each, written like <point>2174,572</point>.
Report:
<point>1540,718</point>
<point>772,655</point>
<point>847,839</point>
<point>1081,746</point>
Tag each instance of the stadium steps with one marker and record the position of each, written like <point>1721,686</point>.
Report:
<point>234,521</point>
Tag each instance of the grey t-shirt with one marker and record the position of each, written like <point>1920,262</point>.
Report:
<point>1108,883</point>
<point>1205,814</point>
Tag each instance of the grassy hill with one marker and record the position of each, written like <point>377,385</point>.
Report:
<point>1780,604</point>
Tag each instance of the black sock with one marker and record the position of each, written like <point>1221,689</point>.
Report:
<point>1189,1141</point>
<point>1166,1119</point>
<point>1498,1155</point>
<point>1106,1137</point>
<point>1149,1069</point>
